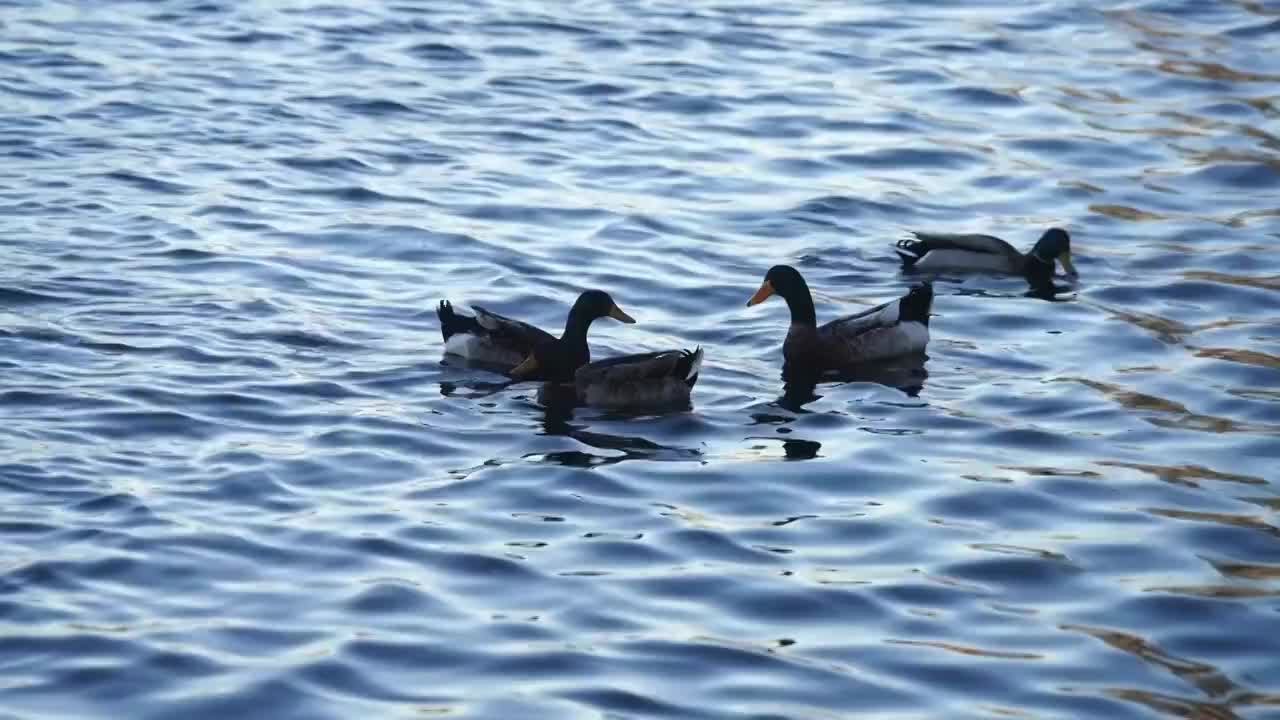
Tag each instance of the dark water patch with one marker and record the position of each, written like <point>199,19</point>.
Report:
<point>234,458</point>
<point>150,184</point>
<point>1255,30</point>
<point>31,90</point>
<point>440,52</point>
<point>44,57</point>
<point>249,37</point>
<point>376,107</point>
<point>613,701</point>
<point>538,27</point>
<point>680,103</point>
<point>184,254</point>
<point>122,425</point>
<point>983,97</point>
<point>385,598</point>
<point>513,51</point>
<point>908,158</point>
<point>597,89</point>
<point>1239,175</point>
<point>329,166</point>
<point>15,296</point>
<point>359,195</point>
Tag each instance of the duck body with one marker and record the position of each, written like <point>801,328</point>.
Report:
<point>882,332</point>
<point>898,327</point>
<point>657,379</point>
<point>935,252</point>
<point>661,378</point>
<point>488,338</point>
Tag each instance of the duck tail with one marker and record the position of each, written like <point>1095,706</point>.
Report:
<point>691,366</point>
<point>451,323</point>
<point>915,305</point>
<point>910,251</point>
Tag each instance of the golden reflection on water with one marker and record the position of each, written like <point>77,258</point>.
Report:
<point>1244,521</point>
<point>968,650</point>
<point>1226,694</point>
<point>1185,474</point>
<point>1170,414</point>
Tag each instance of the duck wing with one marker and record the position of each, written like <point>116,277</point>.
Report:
<point>644,379</point>
<point>934,251</point>
<point>897,327</point>
<point>488,337</point>
<point>517,334</point>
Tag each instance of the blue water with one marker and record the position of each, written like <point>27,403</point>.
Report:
<point>237,480</point>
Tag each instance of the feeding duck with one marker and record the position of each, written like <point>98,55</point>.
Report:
<point>663,378</point>
<point>947,251</point>
<point>493,339</point>
<point>894,328</point>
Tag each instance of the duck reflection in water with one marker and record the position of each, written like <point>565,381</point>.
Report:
<point>906,373</point>
<point>1051,292</point>
<point>472,390</point>
<point>800,449</point>
<point>559,402</point>
<point>1048,291</point>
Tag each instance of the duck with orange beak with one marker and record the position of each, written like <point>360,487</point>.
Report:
<point>899,327</point>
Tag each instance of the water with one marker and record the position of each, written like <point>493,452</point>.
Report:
<point>237,479</point>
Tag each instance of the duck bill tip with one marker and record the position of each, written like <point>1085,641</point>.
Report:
<point>766,289</point>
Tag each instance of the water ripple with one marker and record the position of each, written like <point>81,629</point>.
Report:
<point>238,479</point>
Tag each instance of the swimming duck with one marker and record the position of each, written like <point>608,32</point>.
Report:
<point>661,378</point>
<point>645,380</point>
<point>894,328</point>
<point>947,251</point>
<point>496,340</point>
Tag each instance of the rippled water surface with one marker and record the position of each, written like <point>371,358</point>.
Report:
<point>237,480</point>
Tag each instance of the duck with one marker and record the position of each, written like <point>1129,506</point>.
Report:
<point>661,379</point>
<point>492,339</point>
<point>953,251</point>
<point>898,327</point>
<point>641,380</point>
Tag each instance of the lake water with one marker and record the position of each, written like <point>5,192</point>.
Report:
<point>236,479</point>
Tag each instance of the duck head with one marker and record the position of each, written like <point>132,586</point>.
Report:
<point>1054,244</point>
<point>558,359</point>
<point>786,282</point>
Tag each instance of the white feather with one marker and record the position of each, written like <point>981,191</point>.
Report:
<point>696,365</point>
<point>961,260</point>
<point>477,349</point>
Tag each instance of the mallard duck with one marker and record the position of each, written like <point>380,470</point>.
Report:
<point>946,251</point>
<point>647,379</point>
<point>657,379</point>
<point>496,340</point>
<point>894,328</point>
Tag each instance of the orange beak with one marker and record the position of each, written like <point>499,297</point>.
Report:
<point>766,289</point>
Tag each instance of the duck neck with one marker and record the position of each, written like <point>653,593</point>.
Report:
<point>1036,270</point>
<point>575,328</point>
<point>801,304</point>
